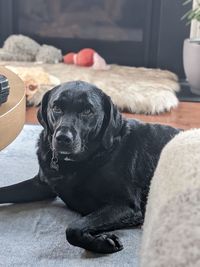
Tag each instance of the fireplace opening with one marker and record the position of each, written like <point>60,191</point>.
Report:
<point>142,33</point>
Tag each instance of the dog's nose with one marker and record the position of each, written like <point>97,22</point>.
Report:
<point>64,138</point>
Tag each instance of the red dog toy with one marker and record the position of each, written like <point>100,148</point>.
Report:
<point>69,58</point>
<point>86,57</point>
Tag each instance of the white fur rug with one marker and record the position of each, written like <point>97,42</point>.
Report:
<point>136,90</point>
<point>171,236</point>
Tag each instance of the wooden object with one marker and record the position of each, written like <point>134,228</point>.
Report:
<point>12,113</point>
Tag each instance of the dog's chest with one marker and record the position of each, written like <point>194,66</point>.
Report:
<point>79,193</point>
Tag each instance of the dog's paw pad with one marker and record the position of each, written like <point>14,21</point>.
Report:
<point>109,243</point>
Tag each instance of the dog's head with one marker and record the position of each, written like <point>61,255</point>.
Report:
<point>78,118</point>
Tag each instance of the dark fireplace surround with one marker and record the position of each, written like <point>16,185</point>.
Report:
<point>147,33</point>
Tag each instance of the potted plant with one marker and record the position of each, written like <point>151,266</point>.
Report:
<point>191,47</point>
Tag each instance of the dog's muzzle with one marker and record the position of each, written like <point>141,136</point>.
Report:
<point>66,142</point>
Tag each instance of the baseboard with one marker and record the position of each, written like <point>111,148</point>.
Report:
<point>185,94</point>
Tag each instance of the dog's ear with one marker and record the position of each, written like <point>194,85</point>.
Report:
<point>42,112</point>
<point>113,122</point>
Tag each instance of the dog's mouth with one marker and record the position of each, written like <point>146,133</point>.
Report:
<point>65,155</point>
<point>61,155</point>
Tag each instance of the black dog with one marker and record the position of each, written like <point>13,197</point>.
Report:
<point>97,162</point>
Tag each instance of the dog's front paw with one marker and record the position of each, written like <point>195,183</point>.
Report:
<point>101,243</point>
<point>107,243</point>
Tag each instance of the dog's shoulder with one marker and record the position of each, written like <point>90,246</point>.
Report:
<point>141,132</point>
<point>141,126</point>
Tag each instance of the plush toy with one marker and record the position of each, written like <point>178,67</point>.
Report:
<point>69,58</point>
<point>23,48</point>
<point>86,57</point>
<point>48,54</point>
<point>36,80</point>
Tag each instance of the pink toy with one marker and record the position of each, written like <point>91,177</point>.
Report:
<point>86,57</point>
<point>69,58</point>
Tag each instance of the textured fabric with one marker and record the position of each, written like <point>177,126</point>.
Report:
<point>23,48</point>
<point>137,90</point>
<point>172,222</point>
<point>33,234</point>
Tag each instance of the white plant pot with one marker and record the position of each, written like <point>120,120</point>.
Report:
<point>191,62</point>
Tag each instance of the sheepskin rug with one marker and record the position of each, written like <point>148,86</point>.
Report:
<point>171,234</point>
<point>136,90</point>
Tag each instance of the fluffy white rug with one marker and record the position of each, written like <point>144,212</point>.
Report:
<point>137,90</point>
<point>171,234</point>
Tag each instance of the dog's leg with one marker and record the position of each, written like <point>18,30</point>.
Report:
<point>27,191</point>
<point>87,231</point>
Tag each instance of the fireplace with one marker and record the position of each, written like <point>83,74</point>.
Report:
<point>145,33</point>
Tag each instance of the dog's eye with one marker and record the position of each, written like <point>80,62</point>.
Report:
<point>56,109</point>
<point>86,112</point>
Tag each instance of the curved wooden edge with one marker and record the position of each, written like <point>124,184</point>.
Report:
<point>12,113</point>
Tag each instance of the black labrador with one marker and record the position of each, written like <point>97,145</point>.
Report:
<point>97,162</point>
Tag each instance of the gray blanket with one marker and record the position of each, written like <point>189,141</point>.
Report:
<point>33,234</point>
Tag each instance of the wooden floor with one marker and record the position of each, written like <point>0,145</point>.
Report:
<point>185,116</point>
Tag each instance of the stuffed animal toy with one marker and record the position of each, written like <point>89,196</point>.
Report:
<point>69,58</point>
<point>23,48</point>
<point>36,81</point>
<point>48,54</point>
<point>86,57</point>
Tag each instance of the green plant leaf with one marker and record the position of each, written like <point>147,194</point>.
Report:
<point>186,15</point>
<point>193,14</point>
<point>186,2</point>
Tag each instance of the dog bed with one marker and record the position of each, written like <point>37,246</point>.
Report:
<point>136,90</point>
<point>172,229</point>
<point>33,234</point>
